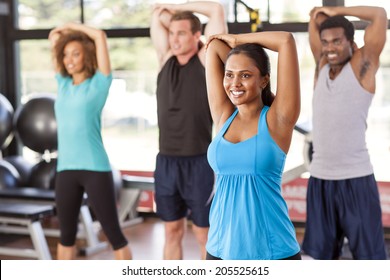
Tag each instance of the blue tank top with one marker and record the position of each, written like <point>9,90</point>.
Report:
<point>78,111</point>
<point>249,217</point>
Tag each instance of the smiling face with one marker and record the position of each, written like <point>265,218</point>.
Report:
<point>73,58</point>
<point>335,46</point>
<point>242,81</point>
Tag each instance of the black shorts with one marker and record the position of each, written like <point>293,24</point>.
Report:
<point>344,208</point>
<point>184,186</point>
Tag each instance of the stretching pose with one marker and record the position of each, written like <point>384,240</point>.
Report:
<point>249,217</point>
<point>342,197</point>
<point>84,78</point>
<point>183,178</point>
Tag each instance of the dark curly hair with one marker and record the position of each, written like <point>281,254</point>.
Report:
<point>261,60</point>
<point>339,21</point>
<point>90,60</point>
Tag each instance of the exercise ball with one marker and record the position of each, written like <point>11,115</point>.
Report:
<point>43,175</point>
<point>9,176</point>
<point>6,116</point>
<point>23,167</point>
<point>36,125</point>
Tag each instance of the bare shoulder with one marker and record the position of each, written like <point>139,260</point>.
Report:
<point>365,69</point>
<point>202,55</point>
<point>164,58</point>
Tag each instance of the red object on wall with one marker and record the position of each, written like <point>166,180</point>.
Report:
<point>146,201</point>
<point>294,192</point>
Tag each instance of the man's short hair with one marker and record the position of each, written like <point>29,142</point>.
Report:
<point>339,21</point>
<point>187,15</point>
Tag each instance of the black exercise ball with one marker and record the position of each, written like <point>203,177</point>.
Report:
<point>23,167</point>
<point>6,116</point>
<point>36,125</point>
<point>43,175</point>
<point>9,176</point>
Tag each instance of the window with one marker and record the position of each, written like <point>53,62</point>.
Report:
<point>130,131</point>
<point>36,14</point>
<point>129,119</point>
<point>380,3</point>
<point>273,11</point>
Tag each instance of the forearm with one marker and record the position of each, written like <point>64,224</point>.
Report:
<point>100,39</point>
<point>316,18</point>
<point>367,13</point>
<point>273,40</point>
<point>93,33</point>
<point>206,8</point>
<point>161,18</point>
<point>218,50</point>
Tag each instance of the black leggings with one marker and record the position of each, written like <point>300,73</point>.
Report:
<point>99,186</point>
<point>295,257</point>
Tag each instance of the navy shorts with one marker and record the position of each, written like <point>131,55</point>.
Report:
<point>184,186</point>
<point>344,208</point>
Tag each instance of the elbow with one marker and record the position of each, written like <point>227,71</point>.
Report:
<point>379,19</point>
<point>288,38</point>
<point>217,10</point>
<point>212,46</point>
<point>382,14</point>
<point>101,35</point>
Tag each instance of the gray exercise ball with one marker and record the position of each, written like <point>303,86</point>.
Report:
<point>23,166</point>
<point>43,175</point>
<point>9,176</point>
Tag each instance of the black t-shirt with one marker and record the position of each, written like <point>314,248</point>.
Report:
<point>183,111</point>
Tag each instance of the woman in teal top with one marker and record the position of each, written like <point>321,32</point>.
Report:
<point>84,78</point>
<point>249,217</point>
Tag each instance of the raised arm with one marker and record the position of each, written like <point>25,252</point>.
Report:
<point>159,32</point>
<point>375,32</point>
<point>161,17</point>
<point>97,35</point>
<point>220,106</point>
<point>285,109</point>
<point>316,18</point>
<point>54,35</point>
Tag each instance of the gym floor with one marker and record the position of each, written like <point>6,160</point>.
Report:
<point>146,240</point>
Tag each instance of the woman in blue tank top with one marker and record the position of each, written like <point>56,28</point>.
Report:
<point>249,217</point>
<point>84,77</point>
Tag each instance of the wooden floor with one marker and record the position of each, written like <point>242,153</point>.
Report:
<point>146,240</point>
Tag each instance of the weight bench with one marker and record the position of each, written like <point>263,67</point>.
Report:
<point>88,230</point>
<point>129,197</point>
<point>27,216</point>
